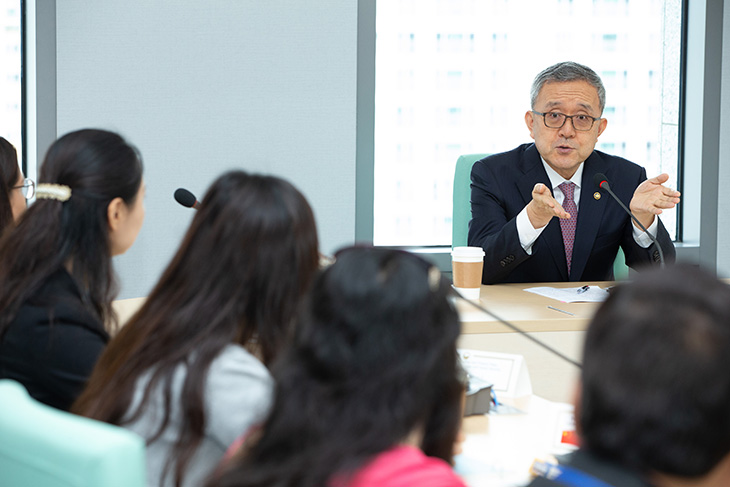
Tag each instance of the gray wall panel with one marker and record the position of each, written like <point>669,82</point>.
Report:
<point>204,86</point>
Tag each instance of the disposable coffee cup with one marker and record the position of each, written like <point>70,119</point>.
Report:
<point>466,265</point>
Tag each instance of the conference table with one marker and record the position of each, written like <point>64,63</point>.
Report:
<point>552,378</point>
<point>559,325</point>
<point>500,447</point>
<point>529,311</point>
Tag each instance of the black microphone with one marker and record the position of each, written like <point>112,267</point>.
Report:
<point>519,330</point>
<point>186,198</point>
<point>602,182</point>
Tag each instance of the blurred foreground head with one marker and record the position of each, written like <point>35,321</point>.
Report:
<point>373,364</point>
<point>656,374</point>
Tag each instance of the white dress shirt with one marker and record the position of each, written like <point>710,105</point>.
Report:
<point>528,234</point>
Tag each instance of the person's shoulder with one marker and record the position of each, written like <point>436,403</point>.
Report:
<point>58,302</point>
<point>405,466</point>
<point>234,362</point>
<point>617,161</point>
<point>587,469</point>
<point>509,163</point>
<point>543,482</point>
<point>606,470</point>
<point>507,157</point>
<point>238,394</point>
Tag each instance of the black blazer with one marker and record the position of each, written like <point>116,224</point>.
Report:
<point>501,186</point>
<point>53,343</point>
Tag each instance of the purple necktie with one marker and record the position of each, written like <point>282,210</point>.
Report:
<point>568,226</point>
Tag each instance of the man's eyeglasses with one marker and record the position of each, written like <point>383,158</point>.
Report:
<point>27,188</point>
<point>555,120</point>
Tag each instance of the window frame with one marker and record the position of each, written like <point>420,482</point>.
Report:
<point>38,69</point>
<point>700,86</point>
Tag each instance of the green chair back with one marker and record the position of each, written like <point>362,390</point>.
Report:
<point>461,213</point>
<point>40,445</point>
<point>620,269</point>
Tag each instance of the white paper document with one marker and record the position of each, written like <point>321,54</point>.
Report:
<point>593,294</point>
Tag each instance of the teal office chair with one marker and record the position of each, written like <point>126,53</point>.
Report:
<point>43,446</point>
<point>461,213</point>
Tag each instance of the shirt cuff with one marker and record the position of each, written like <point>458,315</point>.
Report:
<point>642,238</point>
<point>526,232</point>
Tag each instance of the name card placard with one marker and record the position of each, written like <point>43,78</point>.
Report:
<point>506,372</point>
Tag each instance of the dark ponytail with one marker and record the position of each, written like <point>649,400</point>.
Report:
<point>97,166</point>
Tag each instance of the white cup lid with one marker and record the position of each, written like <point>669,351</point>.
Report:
<point>477,252</point>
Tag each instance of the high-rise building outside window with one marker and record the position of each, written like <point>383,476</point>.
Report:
<point>10,73</point>
<point>453,77</point>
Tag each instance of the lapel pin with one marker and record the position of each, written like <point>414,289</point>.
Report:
<point>597,195</point>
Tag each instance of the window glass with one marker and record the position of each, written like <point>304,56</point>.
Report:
<point>453,77</point>
<point>10,73</point>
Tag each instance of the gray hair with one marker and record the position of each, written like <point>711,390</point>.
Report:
<point>568,71</point>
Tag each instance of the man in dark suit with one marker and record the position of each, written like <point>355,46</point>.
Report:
<point>536,210</point>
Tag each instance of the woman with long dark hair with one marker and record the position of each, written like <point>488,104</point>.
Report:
<point>189,371</point>
<point>15,189</point>
<point>369,393</point>
<point>56,277</point>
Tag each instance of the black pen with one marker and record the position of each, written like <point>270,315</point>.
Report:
<point>583,289</point>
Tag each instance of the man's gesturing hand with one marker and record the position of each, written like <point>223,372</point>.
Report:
<point>651,198</point>
<point>543,207</point>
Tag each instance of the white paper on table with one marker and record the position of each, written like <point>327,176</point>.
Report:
<point>594,294</point>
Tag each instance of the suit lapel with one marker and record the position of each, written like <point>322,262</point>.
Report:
<point>533,172</point>
<point>590,214</point>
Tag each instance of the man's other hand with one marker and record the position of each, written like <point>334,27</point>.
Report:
<point>651,198</point>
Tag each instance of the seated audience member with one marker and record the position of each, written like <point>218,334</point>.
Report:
<point>655,386</point>
<point>15,190</point>
<point>368,394</point>
<point>56,278</point>
<point>189,371</point>
<point>537,211</point>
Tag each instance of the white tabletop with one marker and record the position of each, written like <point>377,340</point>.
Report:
<point>500,448</point>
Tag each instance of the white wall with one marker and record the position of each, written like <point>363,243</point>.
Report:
<point>202,86</point>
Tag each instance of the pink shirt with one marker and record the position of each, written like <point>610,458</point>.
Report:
<point>406,466</point>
